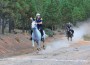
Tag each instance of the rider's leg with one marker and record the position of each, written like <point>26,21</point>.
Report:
<point>31,32</point>
<point>41,32</point>
<point>31,35</point>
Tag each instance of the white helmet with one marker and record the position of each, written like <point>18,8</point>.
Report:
<point>69,23</point>
<point>37,14</point>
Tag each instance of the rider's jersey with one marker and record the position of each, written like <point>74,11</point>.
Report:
<point>38,20</point>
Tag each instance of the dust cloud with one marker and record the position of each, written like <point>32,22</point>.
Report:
<point>79,31</point>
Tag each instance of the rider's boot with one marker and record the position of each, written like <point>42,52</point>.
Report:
<point>31,38</point>
<point>31,34</point>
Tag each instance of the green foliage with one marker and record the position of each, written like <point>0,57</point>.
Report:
<point>78,14</point>
<point>86,37</point>
<point>86,5</point>
<point>54,12</point>
<point>49,32</point>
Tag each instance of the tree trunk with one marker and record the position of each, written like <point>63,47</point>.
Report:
<point>3,26</point>
<point>10,26</point>
<point>23,26</point>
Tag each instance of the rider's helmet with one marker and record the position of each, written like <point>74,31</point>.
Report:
<point>69,23</point>
<point>37,14</point>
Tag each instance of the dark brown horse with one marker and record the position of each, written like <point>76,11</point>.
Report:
<point>70,34</point>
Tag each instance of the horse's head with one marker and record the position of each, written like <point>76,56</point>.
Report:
<point>33,25</point>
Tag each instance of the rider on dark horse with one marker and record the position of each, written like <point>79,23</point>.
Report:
<point>69,28</point>
<point>38,20</point>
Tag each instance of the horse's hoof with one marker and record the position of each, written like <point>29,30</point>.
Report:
<point>33,48</point>
<point>44,47</point>
<point>37,52</point>
<point>38,49</point>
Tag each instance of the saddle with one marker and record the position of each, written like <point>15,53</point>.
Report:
<point>70,31</point>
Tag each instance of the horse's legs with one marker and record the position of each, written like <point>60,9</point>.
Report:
<point>71,38</point>
<point>43,45</point>
<point>33,45</point>
<point>68,38</point>
<point>39,45</point>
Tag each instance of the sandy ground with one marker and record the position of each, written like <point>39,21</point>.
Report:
<point>67,53</point>
<point>59,51</point>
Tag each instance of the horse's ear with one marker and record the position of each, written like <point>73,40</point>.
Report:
<point>33,22</point>
<point>31,18</point>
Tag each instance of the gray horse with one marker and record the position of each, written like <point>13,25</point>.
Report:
<point>36,36</point>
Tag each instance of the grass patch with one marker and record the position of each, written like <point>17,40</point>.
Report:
<point>87,37</point>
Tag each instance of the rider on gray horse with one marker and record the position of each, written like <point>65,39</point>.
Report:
<point>38,20</point>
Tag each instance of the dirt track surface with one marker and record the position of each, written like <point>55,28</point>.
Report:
<point>19,44</point>
<point>73,53</point>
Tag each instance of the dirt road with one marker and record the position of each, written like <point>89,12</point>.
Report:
<point>58,52</point>
<point>68,54</point>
